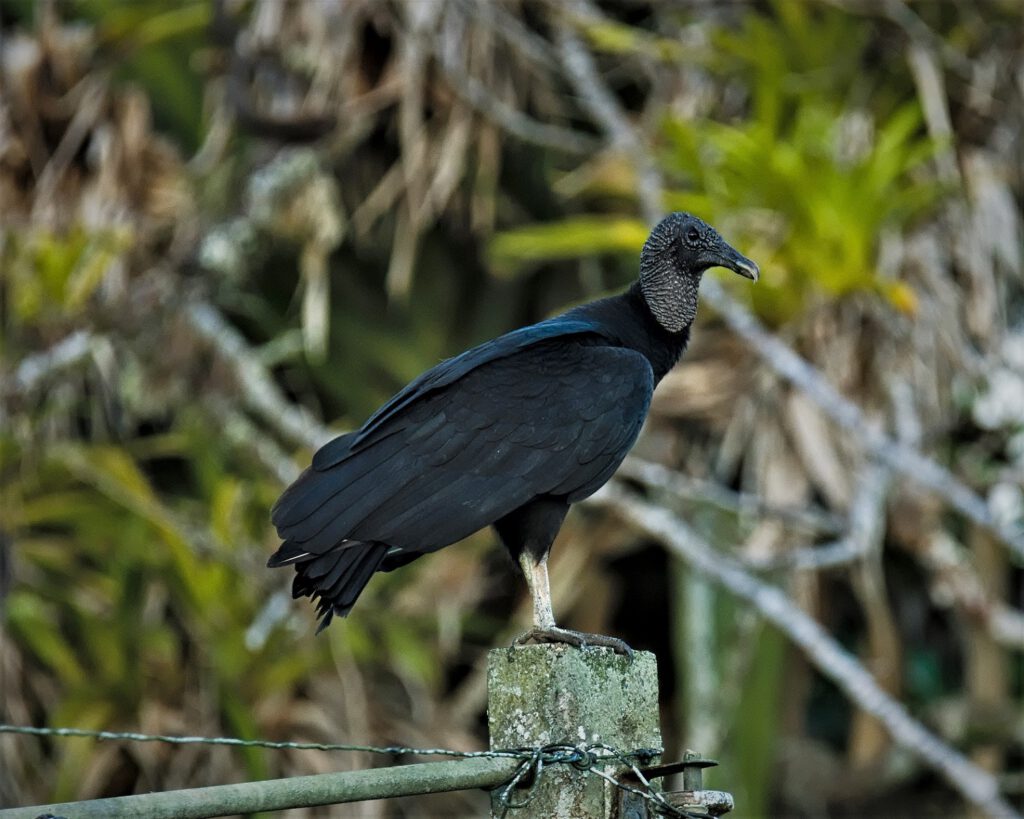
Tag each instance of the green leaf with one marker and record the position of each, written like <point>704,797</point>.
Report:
<point>32,623</point>
<point>618,38</point>
<point>568,239</point>
<point>755,731</point>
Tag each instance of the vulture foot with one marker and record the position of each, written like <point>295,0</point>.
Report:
<point>579,639</point>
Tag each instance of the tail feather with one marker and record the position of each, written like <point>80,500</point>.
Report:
<point>339,570</point>
<point>316,516</point>
<point>290,552</point>
<point>336,578</point>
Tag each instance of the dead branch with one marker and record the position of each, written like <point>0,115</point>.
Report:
<point>35,369</point>
<point>955,583</point>
<point>864,536</point>
<point>259,390</point>
<point>240,431</point>
<point>677,484</point>
<point>977,786</point>
<point>582,73</point>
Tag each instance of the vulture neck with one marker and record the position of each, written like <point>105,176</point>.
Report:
<point>628,320</point>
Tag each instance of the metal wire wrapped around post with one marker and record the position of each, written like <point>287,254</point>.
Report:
<point>553,693</point>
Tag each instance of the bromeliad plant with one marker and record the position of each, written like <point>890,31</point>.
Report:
<point>813,201</point>
<point>807,180</point>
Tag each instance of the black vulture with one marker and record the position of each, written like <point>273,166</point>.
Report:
<point>509,433</point>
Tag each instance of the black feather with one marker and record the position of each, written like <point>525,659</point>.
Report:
<point>508,433</point>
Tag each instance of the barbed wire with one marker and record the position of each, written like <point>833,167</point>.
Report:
<point>133,736</point>
<point>586,758</point>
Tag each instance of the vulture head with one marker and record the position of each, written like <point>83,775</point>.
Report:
<point>676,254</point>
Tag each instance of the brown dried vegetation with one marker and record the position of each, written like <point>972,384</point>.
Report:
<point>368,187</point>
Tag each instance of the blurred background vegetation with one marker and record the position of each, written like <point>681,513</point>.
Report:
<point>226,224</point>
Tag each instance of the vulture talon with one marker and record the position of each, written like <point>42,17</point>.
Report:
<point>578,639</point>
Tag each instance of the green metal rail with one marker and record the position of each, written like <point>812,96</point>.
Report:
<point>294,792</point>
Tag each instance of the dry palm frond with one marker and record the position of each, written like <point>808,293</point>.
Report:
<point>407,99</point>
<point>76,150</point>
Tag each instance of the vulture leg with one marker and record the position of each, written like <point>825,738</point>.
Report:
<point>544,629</point>
<point>536,574</point>
<point>528,532</point>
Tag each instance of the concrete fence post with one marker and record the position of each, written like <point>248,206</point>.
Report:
<point>556,694</point>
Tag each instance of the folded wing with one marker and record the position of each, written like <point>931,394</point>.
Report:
<point>554,417</point>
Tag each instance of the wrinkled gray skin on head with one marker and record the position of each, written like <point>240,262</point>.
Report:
<point>676,254</point>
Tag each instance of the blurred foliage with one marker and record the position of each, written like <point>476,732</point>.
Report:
<point>567,239</point>
<point>807,183</point>
<point>157,45</point>
<point>108,625</point>
<point>830,179</point>
<point>323,180</point>
<point>52,276</point>
<point>826,214</point>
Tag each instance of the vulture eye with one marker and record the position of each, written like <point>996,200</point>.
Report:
<point>692,235</point>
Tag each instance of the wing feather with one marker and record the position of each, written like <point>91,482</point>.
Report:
<point>455,454</point>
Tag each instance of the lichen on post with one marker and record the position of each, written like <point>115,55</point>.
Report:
<point>557,694</point>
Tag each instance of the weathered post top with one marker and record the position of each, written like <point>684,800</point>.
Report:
<point>557,694</point>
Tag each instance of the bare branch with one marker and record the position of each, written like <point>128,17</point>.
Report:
<point>865,531</point>
<point>867,510</point>
<point>901,458</point>
<point>259,390</point>
<point>955,582</point>
<point>240,431</point>
<point>579,65</point>
<point>35,369</point>
<point>835,555</point>
<point>976,785</point>
<point>679,485</point>
<point>511,28</point>
<point>866,528</point>
<point>865,515</point>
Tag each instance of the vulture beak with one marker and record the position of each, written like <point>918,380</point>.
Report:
<point>738,263</point>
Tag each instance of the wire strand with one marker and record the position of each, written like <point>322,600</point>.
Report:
<point>588,759</point>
